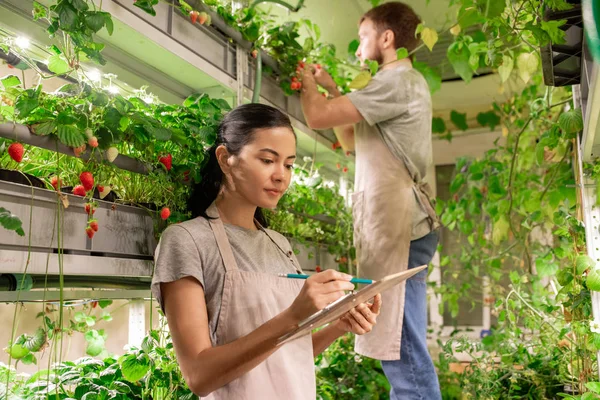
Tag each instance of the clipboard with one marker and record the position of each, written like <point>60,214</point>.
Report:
<point>345,303</point>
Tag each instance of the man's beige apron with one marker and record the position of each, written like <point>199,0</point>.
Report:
<point>249,300</point>
<point>382,206</point>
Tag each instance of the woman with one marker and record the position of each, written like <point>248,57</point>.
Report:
<point>216,275</point>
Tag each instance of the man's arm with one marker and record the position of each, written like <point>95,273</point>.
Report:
<point>321,113</point>
<point>344,133</point>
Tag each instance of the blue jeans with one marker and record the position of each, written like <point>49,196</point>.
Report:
<point>413,376</point>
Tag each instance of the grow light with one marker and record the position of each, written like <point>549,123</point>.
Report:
<point>22,42</point>
<point>94,75</point>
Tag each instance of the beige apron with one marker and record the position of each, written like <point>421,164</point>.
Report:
<point>383,204</point>
<point>249,300</point>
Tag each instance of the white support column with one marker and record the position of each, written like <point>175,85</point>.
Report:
<point>137,322</point>
<point>488,300</point>
<point>241,57</point>
<point>436,319</point>
<point>591,212</point>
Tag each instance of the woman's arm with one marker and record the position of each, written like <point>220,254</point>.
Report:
<point>206,368</point>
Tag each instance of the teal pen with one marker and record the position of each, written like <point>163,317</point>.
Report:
<point>299,276</point>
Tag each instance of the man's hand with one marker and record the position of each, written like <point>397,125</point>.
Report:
<point>323,79</point>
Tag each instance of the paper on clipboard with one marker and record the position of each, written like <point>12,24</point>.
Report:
<point>345,303</point>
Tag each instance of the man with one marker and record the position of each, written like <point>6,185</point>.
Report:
<point>388,124</point>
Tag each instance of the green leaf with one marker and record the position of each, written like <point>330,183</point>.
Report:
<point>39,11</point>
<point>433,78</point>
<point>70,135</point>
<point>160,133</point>
<point>361,80</point>
<point>459,120</point>
<point>571,121</point>
<point>593,280</point>
<point>10,81</point>
<point>401,53</point>
<point>104,303</point>
<point>35,342</point>
<point>95,20</point>
<point>491,8</point>
<point>500,231</point>
<point>438,125</point>
<point>67,16</point>
<point>80,5</point>
<point>429,37</point>
<point>469,16</point>
<point>506,68</point>
<point>584,262</point>
<point>373,66</point>
<point>45,128</point>
<point>309,44</point>
<point>29,359</point>
<point>527,64</point>
<point>95,344</point>
<point>552,28</point>
<point>11,222</point>
<point>459,58</point>
<point>147,5</point>
<point>27,102</point>
<point>108,22</point>
<point>545,267</point>
<point>489,118</point>
<point>135,368</point>
<point>57,64</point>
<point>593,386</point>
<point>353,47</point>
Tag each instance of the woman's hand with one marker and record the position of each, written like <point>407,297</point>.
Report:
<point>318,291</point>
<point>362,318</point>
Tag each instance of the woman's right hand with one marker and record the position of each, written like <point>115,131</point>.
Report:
<point>318,291</point>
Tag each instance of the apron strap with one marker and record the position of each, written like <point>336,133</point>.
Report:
<point>221,237</point>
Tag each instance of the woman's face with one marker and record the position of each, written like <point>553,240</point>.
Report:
<point>261,173</point>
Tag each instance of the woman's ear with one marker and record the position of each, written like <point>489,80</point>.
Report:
<point>223,157</point>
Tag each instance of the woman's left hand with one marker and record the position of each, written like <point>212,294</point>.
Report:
<point>362,318</point>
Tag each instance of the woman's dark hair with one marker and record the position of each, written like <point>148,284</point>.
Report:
<point>235,131</point>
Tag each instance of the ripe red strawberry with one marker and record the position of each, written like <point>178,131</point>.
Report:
<point>89,209</point>
<point>100,188</point>
<point>318,268</point>
<point>336,145</point>
<point>318,66</point>
<point>165,213</point>
<point>54,182</point>
<point>94,225</point>
<point>294,79</point>
<point>93,141</point>
<point>90,232</point>
<point>87,180</point>
<point>194,16</point>
<point>79,190</point>
<point>15,151</point>
<point>301,64</point>
<point>345,169</point>
<point>166,161</point>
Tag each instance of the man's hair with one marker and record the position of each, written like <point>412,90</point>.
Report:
<point>398,17</point>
